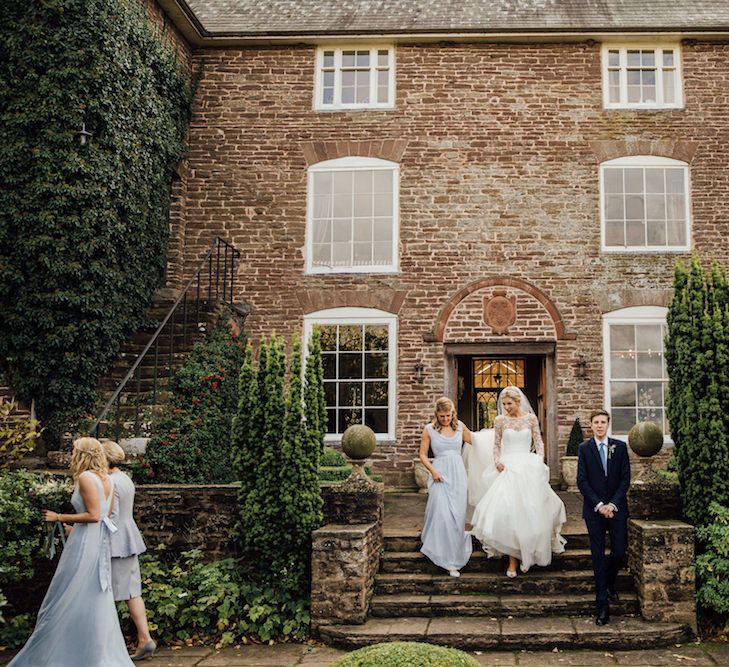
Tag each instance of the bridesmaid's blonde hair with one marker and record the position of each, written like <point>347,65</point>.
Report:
<point>114,453</point>
<point>88,454</point>
<point>445,404</point>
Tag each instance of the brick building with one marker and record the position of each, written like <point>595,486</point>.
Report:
<point>462,195</point>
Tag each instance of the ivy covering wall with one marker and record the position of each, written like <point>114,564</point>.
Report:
<point>83,229</point>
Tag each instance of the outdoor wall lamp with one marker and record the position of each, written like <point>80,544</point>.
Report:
<point>419,372</point>
<point>581,368</point>
<point>83,134</point>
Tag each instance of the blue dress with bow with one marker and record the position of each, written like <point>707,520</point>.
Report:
<point>77,623</point>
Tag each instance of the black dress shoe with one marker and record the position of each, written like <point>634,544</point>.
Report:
<point>613,596</point>
<point>603,617</point>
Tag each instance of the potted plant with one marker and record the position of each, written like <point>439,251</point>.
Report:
<point>569,460</point>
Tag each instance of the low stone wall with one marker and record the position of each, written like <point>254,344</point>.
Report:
<point>184,517</point>
<point>346,552</point>
<point>655,500</point>
<point>661,558</point>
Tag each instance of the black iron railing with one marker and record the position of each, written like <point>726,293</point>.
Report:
<point>213,282</point>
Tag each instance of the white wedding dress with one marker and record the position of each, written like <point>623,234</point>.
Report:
<point>519,514</point>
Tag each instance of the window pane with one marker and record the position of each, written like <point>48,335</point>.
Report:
<point>634,207</point>
<point>330,393</point>
<point>613,180</point>
<point>615,233</point>
<point>649,337</point>
<point>633,58</point>
<point>634,233</point>
<point>656,232</point>
<point>376,393</point>
<point>362,254</point>
<point>654,180</point>
<point>362,182</point>
<point>341,230</point>
<point>382,253</point>
<point>349,417</point>
<point>622,365</point>
<point>613,58</point>
<point>321,254</point>
<point>382,205</point>
<point>623,420</point>
<point>614,207</point>
<point>650,394</point>
<point>668,58</point>
<point>622,337</point>
<point>650,365</point>
<point>363,58</point>
<point>323,183</point>
<point>648,58</point>
<point>382,181</point>
<point>342,207</point>
<point>350,393</point>
<point>633,179</point>
<point>655,207</point>
<point>676,207</point>
<point>383,58</point>
<point>376,337</point>
<point>329,362</point>
<point>328,59</point>
<point>350,337</point>
<point>328,333</point>
<point>362,230</point>
<point>382,229</point>
<point>675,180</point>
<point>347,58</point>
<point>376,365</point>
<point>634,96</point>
<point>654,415</point>
<point>622,394</point>
<point>350,365</point>
<point>341,254</point>
<point>669,88</point>
<point>676,232</point>
<point>327,96</point>
<point>362,206</point>
<point>376,420</point>
<point>331,421</point>
<point>648,78</point>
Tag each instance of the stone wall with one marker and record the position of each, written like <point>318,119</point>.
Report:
<point>184,517</point>
<point>498,147</point>
<point>661,557</point>
<point>346,554</point>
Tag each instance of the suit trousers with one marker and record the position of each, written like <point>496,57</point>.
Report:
<point>605,568</point>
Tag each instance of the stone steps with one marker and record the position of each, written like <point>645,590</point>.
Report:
<point>535,582</point>
<point>402,604</point>
<point>414,562</point>
<point>410,541</point>
<point>542,633</point>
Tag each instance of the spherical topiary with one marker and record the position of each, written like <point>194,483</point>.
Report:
<point>645,439</point>
<point>358,442</point>
<point>406,654</point>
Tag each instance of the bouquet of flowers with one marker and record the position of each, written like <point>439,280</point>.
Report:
<point>52,493</point>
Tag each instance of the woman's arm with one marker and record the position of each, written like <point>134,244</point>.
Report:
<point>90,494</point>
<point>467,435</point>
<point>537,436</point>
<point>498,432</point>
<point>424,445</point>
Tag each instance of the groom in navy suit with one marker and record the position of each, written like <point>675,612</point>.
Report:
<point>603,477</point>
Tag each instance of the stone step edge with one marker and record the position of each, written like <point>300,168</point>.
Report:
<point>480,554</point>
<point>620,634</point>
<point>536,574</point>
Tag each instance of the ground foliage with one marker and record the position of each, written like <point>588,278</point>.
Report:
<point>83,229</point>
<point>712,568</point>
<point>697,360</point>
<point>191,441</point>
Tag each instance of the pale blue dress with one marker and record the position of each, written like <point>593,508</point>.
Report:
<point>77,623</point>
<point>444,536</point>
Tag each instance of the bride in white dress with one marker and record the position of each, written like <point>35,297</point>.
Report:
<point>518,514</point>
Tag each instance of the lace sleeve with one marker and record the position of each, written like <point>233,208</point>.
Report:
<point>537,437</point>
<point>498,432</point>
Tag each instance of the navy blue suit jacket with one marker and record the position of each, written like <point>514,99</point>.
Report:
<point>595,486</point>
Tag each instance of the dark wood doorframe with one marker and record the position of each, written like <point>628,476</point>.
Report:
<point>543,397</point>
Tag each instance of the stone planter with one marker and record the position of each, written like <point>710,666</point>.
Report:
<point>569,473</point>
<point>421,475</point>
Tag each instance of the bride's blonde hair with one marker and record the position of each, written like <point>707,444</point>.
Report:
<point>445,404</point>
<point>514,393</point>
<point>88,454</point>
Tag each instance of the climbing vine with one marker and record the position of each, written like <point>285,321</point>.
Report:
<point>83,228</point>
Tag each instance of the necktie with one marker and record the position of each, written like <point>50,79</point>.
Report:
<point>603,457</point>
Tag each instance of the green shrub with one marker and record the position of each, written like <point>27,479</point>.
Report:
<point>712,566</point>
<point>22,563</point>
<point>697,361</point>
<point>191,441</point>
<point>575,439</point>
<point>334,473</point>
<point>83,229</point>
<point>331,458</point>
<point>406,654</point>
<point>194,602</point>
<point>17,436</point>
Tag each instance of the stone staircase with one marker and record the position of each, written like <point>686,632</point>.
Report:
<point>544,609</point>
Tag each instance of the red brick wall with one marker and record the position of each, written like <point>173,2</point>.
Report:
<point>499,147</point>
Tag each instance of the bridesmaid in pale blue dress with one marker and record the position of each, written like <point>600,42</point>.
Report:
<point>77,623</point>
<point>444,536</point>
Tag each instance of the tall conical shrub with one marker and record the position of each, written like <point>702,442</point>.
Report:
<point>697,360</point>
<point>575,439</point>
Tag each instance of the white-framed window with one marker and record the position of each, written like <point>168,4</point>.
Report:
<point>642,77</point>
<point>355,77</point>
<point>352,216</point>
<point>636,381</point>
<point>359,358</point>
<point>644,204</point>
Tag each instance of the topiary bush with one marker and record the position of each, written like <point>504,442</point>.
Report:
<point>576,438</point>
<point>83,229</point>
<point>191,441</point>
<point>406,654</point>
<point>331,458</point>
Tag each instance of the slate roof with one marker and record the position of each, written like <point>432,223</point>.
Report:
<point>351,17</point>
